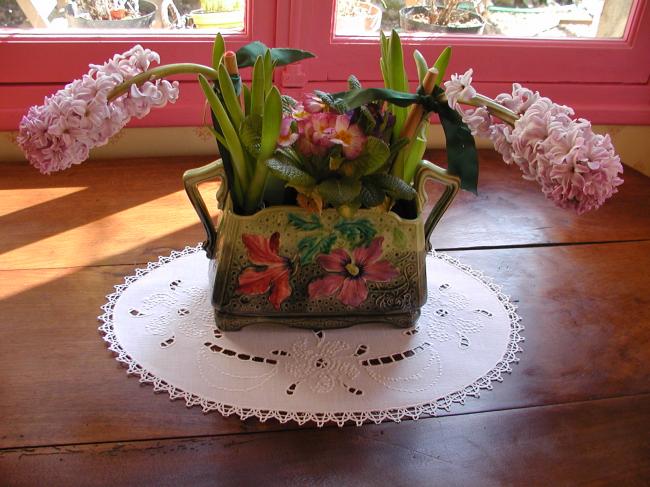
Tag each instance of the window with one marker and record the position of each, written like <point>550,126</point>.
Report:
<point>604,76</point>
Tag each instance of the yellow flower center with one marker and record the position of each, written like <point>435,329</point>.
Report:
<point>352,269</point>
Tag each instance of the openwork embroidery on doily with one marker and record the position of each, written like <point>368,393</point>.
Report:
<point>317,363</point>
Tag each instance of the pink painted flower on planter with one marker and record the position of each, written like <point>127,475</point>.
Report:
<point>349,275</point>
<point>270,271</point>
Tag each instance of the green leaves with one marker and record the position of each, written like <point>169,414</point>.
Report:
<point>247,55</point>
<point>230,97</point>
<point>338,192</point>
<point>392,185</point>
<point>251,135</point>
<point>373,158</point>
<point>353,82</point>
<point>258,88</point>
<point>271,123</point>
<point>421,64</point>
<point>290,173</point>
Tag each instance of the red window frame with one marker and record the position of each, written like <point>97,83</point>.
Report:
<point>605,80</point>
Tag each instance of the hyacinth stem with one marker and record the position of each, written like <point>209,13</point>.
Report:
<point>161,72</point>
<point>494,107</point>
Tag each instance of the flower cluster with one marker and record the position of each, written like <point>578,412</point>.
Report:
<point>61,132</point>
<point>575,167</point>
<point>316,129</point>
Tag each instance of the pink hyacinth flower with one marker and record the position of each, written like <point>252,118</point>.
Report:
<point>459,88</point>
<point>348,276</point>
<point>79,117</point>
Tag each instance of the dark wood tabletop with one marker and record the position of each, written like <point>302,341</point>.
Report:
<point>575,410</point>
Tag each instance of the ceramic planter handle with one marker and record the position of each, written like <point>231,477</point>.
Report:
<point>191,180</point>
<point>426,171</point>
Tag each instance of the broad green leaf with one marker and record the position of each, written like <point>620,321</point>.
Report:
<point>313,223</point>
<point>271,123</point>
<point>257,88</point>
<point>462,158</point>
<point>218,50</point>
<point>393,185</point>
<point>232,140</point>
<point>230,98</point>
<point>290,173</point>
<point>251,135</point>
<point>288,104</point>
<point>374,157</point>
<point>339,191</point>
<point>247,55</point>
<point>441,64</point>
<point>371,195</point>
<point>421,64</point>
<point>359,233</point>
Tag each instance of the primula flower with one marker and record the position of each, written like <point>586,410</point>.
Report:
<point>77,118</point>
<point>349,276</point>
<point>348,135</point>
<point>459,88</point>
<point>287,136</point>
<point>271,271</point>
<point>313,104</point>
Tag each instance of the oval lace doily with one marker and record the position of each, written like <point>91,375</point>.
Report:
<point>160,323</point>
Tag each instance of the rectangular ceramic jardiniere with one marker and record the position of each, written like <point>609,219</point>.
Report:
<point>286,265</point>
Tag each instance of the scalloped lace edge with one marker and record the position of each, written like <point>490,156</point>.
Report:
<point>340,418</point>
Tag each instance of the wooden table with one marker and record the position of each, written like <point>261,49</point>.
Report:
<point>576,410</point>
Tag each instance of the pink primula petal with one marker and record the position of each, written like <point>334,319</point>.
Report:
<point>335,261</point>
<point>325,286</point>
<point>364,256</point>
<point>381,271</point>
<point>353,292</point>
<point>262,251</point>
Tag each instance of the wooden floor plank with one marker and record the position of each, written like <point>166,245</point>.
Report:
<point>112,212</point>
<point>597,443</point>
<point>586,310</point>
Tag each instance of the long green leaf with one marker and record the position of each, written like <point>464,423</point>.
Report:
<point>271,123</point>
<point>247,99</point>
<point>257,88</point>
<point>414,154</point>
<point>441,64</point>
<point>230,97</point>
<point>421,64</point>
<point>398,79</point>
<point>218,50</point>
<point>229,133</point>
<point>268,72</point>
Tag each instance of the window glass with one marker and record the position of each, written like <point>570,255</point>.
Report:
<point>513,18</point>
<point>79,16</point>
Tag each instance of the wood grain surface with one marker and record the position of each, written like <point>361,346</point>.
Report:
<point>575,411</point>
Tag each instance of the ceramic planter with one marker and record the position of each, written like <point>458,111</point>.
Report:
<point>410,24</point>
<point>147,15</point>
<point>285,265</point>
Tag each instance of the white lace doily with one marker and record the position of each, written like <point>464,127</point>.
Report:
<point>160,323</point>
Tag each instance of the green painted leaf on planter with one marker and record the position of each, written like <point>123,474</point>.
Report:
<point>315,245</point>
<point>311,223</point>
<point>399,239</point>
<point>358,233</point>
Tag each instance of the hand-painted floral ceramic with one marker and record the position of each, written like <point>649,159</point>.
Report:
<point>286,265</point>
